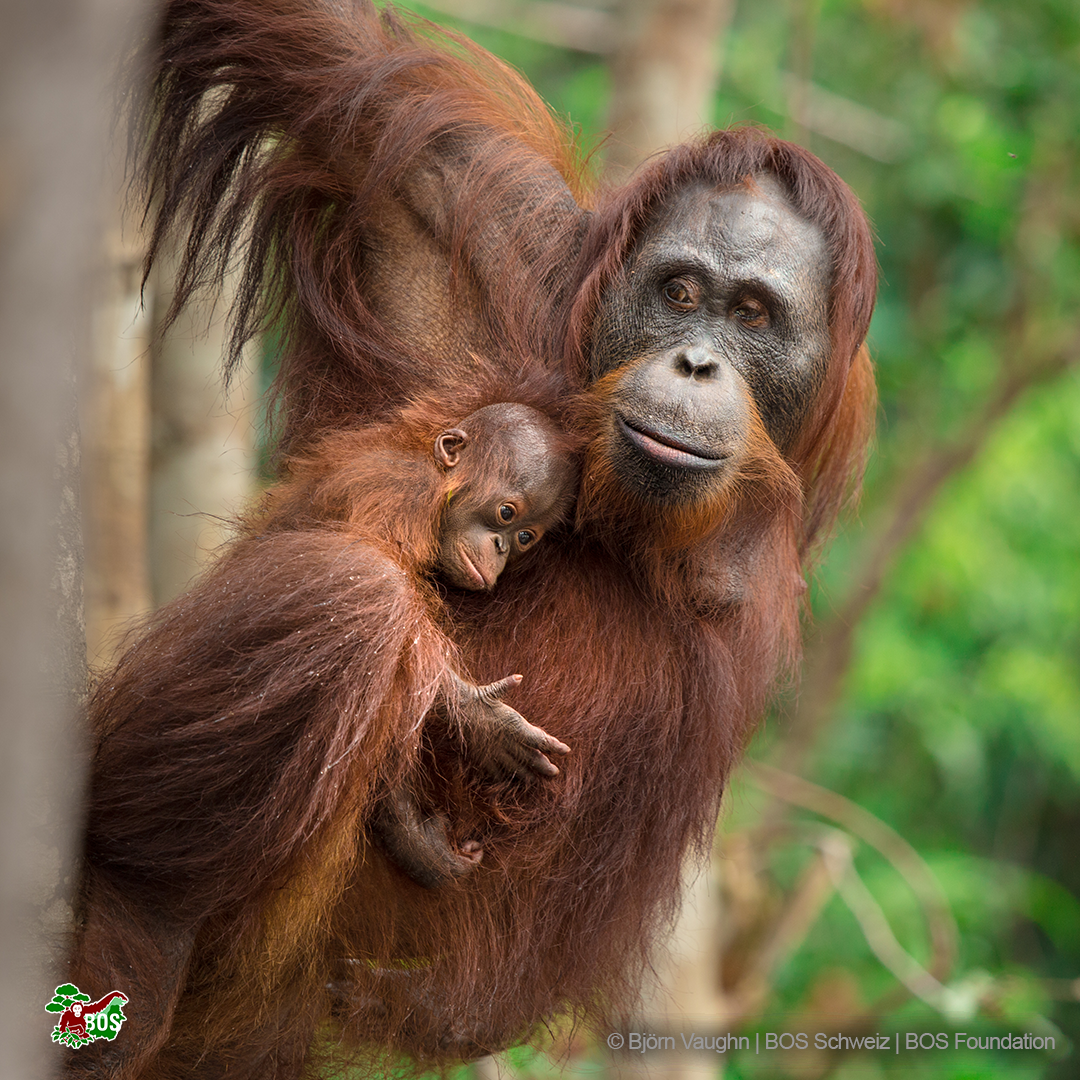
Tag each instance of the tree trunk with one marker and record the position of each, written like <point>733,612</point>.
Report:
<point>55,58</point>
<point>203,462</point>
<point>664,74</point>
<point>116,451</point>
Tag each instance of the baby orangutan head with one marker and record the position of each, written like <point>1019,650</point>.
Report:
<point>511,476</point>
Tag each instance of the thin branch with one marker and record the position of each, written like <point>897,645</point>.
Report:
<point>803,905</point>
<point>883,838</point>
<point>836,853</point>
<point>583,28</point>
<point>841,120</point>
<point>917,490</point>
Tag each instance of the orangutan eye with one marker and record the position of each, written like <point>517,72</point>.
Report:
<point>680,295</point>
<point>752,314</point>
<point>525,538</point>
<point>506,512</point>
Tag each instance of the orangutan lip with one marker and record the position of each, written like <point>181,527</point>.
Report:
<point>471,567</point>
<point>668,449</point>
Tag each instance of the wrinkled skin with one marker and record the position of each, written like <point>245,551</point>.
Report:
<point>723,307</point>
<point>505,745</point>
<point>419,843</point>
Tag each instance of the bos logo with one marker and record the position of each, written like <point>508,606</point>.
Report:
<point>82,1020</point>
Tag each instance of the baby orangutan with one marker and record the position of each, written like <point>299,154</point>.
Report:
<point>480,499</point>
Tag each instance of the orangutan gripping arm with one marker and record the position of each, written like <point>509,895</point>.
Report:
<point>414,171</point>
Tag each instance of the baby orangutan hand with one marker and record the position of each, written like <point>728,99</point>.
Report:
<point>504,743</point>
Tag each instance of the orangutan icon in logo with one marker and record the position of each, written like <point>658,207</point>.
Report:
<point>82,1020</point>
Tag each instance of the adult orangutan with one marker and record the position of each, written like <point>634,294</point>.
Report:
<point>420,231</point>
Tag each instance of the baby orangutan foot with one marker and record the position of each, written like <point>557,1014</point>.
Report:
<point>420,845</point>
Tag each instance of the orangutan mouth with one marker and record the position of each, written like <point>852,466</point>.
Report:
<point>666,448</point>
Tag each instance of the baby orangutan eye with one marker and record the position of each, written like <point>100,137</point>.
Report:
<point>506,512</point>
<point>525,538</point>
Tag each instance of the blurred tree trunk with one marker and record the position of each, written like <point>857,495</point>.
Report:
<point>55,59</point>
<point>685,995</point>
<point>203,458</point>
<point>664,73</point>
<point>166,464</point>
<point>116,450</point>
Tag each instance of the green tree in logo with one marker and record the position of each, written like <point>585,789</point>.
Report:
<point>82,1021</point>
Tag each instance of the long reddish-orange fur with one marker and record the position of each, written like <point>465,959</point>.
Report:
<point>649,640</point>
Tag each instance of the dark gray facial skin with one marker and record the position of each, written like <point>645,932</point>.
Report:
<point>477,541</point>
<point>725,298</point>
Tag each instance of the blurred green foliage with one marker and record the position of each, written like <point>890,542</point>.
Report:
<point>958,124</point>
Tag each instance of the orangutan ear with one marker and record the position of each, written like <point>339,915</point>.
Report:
<point>448,447</point>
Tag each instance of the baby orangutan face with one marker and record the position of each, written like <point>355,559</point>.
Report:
<point>510,479</point>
